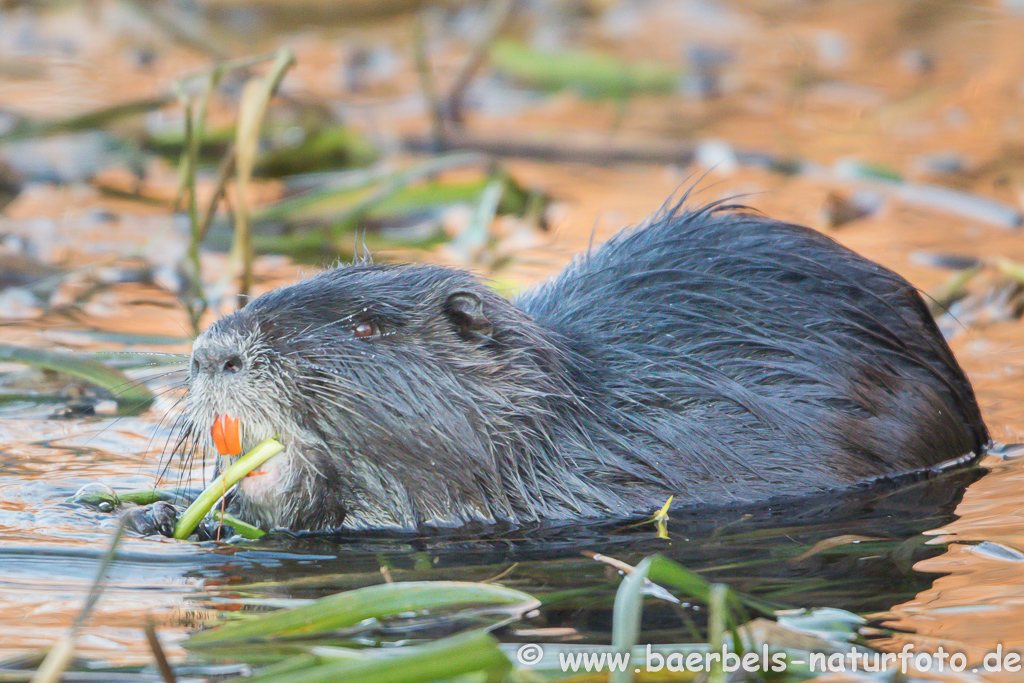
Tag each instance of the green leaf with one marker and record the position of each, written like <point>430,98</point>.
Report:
<point>97,118</point>
<point>444,659</point>
<point>243,529</point>
<point>594,74</point>
<point>665,571</point>
<point>374,602</point>
<point>629,604</point>
<point>328,148</point>
<point>132,396</point>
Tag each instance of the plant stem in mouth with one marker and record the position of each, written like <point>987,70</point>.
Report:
<point>220,486</point>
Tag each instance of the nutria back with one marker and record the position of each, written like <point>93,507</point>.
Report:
<point>765,354</point>
<point>711,355</point>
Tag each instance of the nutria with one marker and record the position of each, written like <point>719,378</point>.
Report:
<point>712,355</point>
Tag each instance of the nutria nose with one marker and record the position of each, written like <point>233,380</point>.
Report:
<point>214,361</point>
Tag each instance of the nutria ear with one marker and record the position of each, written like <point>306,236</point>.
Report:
<point>466,310</point>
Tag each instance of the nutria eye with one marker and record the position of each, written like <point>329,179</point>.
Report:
<point>233,364</point>
<point>363,330</point>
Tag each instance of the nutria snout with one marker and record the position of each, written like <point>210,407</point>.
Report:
<point>712,355</point>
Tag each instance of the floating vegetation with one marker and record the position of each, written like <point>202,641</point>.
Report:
<point>132,397</point>
<point>25,127</point>
<point>106,499</point>
<point>331,638</point>
<point>591,73</point>
<point>320,224</point>
<point>381,602</point>
<point>979,292</point>
<point>323,149</point>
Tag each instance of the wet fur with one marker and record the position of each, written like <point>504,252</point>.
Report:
<point>713,355</point>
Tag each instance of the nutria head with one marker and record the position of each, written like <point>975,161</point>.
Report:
<point>396,391</point>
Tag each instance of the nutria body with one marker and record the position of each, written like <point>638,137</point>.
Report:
<point>711,355</point>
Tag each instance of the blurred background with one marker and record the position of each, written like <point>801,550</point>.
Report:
<point>162,160</point>
<point>157,159</point>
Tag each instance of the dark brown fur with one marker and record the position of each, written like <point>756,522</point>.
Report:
<point>713,355</point>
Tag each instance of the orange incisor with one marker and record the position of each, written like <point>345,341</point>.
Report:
<point>226,435</point>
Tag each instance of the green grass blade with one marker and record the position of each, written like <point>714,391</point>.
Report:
<point>444,659</point>
<point>291,665</point>
<point>594,74</point>
<point>629,604</point>
<point>718,615</point>
<point>129,394</point>
<point>669,573</point>
<point>96,118</point>
<point>337,197</point>
<point>113,499</point>
<point>374,602</point>
<point>664,570</point>
<point>243,529</point>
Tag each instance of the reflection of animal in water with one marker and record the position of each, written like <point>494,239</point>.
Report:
<point>758,549</point>
<point>713,355</point>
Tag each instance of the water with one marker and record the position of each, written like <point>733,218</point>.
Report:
<point>938,559</point>
<point>855,551</point>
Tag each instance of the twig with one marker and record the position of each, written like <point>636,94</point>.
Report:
<point>611,561</point>
<point>499,14</point>
<point>158,652</point>
<point>178,32</point>
<point>195,128</point>
<point>227,66</point>
<point>27,128</point>
<point>652,588</point>
<point>194,297</point>
<point>426,78</point>
<point>224,171</point>
<point>255,102</point>
<point>603,152</point>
